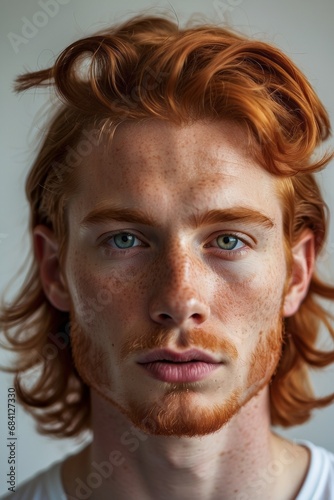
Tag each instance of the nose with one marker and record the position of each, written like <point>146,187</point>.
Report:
<point>178,293</point>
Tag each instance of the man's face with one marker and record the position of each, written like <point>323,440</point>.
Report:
<point>177,279</point>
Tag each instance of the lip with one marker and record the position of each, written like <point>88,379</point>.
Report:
<point>177,357</point>
<point>170,366</point>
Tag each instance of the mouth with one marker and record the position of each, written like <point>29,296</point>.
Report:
<point>169,356</point>
<point>170,366</point>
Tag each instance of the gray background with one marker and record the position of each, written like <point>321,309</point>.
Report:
<point>302,28</point>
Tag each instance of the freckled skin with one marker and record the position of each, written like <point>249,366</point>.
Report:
<point>173,292</point>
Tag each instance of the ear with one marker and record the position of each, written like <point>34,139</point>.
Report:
<point>303,260</point>
<point>46,253</point>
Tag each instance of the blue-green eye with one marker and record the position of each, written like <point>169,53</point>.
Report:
<point>227,241</point>
<point>124,240</point>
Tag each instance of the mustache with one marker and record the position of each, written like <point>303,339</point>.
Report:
<point>198,338</point>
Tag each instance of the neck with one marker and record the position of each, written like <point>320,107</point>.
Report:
<point>129,464</point>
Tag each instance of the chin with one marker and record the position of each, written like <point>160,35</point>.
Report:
<point>177,414</point>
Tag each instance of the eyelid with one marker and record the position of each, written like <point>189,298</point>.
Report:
<point>240,237</point>
<point>116,248</point>
<point>220,251</point>
<point>227,234</point>
<point>112,234</point>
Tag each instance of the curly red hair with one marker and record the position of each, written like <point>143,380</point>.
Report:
<point>150,67</point>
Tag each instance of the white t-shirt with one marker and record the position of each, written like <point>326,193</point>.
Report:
<point>318,485</point>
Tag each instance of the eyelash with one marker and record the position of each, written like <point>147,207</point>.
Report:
<point>233,252</point>
<point>219,251</point>
<point>117,250</point>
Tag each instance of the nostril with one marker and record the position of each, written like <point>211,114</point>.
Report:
<point>165,316</point>
<point>179,314</point>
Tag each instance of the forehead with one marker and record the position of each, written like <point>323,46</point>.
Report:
<point>155,161</point>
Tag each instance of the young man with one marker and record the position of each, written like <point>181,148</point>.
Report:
<point>172,304</point>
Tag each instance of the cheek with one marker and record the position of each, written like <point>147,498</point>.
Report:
<point>260,303</point>
<point>254,302</point>
<point>265,356</point>
<point>254,326</point>
<point>106,301</point>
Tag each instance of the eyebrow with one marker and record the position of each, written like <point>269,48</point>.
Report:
<point>99,216</point>
<point>233,214</point>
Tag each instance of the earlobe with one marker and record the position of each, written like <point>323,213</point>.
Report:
<point>303,256</point>
<point>46,253</point>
